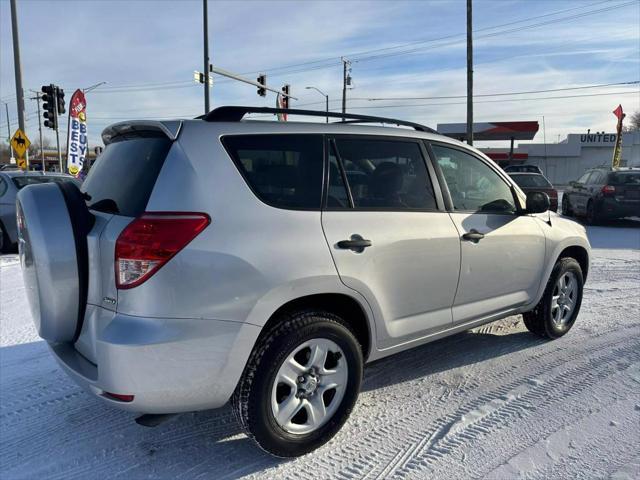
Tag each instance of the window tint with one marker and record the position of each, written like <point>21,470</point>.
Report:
<point>386,174</point>
<point>22,181</point>
<point>531,181</point>
<point>620,178</point>
<point>283,170</point>
<point>3,186</point>
<point>473,185</point>
<point>124,174</point>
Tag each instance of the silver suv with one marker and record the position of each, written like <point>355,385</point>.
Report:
<point>263,263</point>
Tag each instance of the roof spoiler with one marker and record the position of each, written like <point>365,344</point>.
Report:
<point>136,128</point>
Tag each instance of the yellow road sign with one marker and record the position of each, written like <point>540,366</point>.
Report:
<point>22,163</point>
<point>20,143</point>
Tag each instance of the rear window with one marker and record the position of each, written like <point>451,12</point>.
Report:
<point>283,170</point>
<point>624,178</point>
<point>531,181</point>
<point>122,178</point>
<point>22,181</point>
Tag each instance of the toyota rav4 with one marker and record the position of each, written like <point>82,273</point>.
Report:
<point>264,263</point>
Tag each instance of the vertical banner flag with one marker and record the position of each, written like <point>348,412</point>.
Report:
<point>77,141</point>
<point>617,150</point>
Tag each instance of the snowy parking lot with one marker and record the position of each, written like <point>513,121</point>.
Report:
<point>494,402</point>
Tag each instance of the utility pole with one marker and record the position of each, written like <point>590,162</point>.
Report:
<point>37,99</point>
<point>16,64</point>
<point>205,28</point>
<point>6,106</point>
<point>346,80</point>
<point>469,73</point>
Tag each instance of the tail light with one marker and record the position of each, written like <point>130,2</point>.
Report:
<point>150,241</point>
<point>608,190</point>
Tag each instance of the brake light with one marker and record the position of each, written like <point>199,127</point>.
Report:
<point>608,190</point>
<point>150,241</point>
<point>118,396</point>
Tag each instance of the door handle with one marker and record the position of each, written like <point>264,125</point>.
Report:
<point>473,236</point>
<point>357,243</point>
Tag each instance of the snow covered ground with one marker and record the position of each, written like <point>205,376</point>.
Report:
<point>495,402</point>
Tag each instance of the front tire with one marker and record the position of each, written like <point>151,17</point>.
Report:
<point>300,383</point>
<point>558,308</point>
<point>593,216</point>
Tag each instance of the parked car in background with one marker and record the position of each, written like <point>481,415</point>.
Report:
<point>603,193</point>
<point>263,263</point>
<point>536,182</point>
<point>523,168</point>
<point>11,181</point>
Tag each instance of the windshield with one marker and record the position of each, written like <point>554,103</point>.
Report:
<point>531,181</point>
<point>624,178</point>
<point>22,181</point>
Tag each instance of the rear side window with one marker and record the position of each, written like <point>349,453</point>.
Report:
<point>382,174</point>
<point>124,174</point>
<point>283,170</point>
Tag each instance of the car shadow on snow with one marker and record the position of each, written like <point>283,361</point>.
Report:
<point>198,443</point>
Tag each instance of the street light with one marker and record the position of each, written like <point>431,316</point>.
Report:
<point>324,95</point>
<point>92,87</point>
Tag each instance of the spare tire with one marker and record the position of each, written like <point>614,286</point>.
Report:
<point>53,223</point>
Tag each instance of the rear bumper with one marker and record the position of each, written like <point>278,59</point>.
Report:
<point>169,365</point>
<point>611,208</point>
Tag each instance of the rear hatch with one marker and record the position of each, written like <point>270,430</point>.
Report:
<point>626,185</point>
<point>117,190</point>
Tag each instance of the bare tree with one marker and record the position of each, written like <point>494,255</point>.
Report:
<point>633,122</point>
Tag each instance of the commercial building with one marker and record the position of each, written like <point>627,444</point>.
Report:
<point>561,162</point>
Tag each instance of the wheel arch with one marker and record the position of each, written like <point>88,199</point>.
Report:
<point>580,254</point>
<point>343,305</point>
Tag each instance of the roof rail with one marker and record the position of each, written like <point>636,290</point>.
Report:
<point>237,113</point>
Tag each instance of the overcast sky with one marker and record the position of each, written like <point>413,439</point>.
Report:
<point>147,51</point>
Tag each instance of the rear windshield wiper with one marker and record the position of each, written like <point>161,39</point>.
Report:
<point>106,205</point>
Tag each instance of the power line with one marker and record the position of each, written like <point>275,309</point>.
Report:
<point>506,93</point>
<point>497,101</point>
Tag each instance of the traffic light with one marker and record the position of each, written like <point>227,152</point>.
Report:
<point>60,100</point>
<point>50,99</point>
<point>285,97</point>
<point>262,80</point>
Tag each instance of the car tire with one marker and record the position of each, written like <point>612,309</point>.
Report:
<point>5,242</point>
<point>592,216</point>
<point>567,211</point>
<point>265,387</point>
<point>550,318</point>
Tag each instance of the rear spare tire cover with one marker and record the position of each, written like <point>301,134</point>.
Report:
<point>53,221</point>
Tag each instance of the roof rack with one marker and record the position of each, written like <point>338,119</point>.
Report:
<point>237,113</point>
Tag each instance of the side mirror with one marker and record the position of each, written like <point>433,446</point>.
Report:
<point>537,202</point>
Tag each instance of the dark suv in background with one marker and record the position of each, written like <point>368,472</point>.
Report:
<point>604,193</point>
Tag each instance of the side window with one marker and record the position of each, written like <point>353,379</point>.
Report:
<point>386,174</point>
<point>596,178</point>
<point>583,178</point>
<point>3,186</point>
<point>283,170</point>
<point>473,185</point>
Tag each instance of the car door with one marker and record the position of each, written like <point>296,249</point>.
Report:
<point>579,193</point>
<point>389,235</point>
<point>502,251</point>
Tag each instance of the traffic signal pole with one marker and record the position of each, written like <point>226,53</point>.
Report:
<point>37,99</point>
<point>18,68</point>
<point>55,112</point>
<point>205,28</point>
